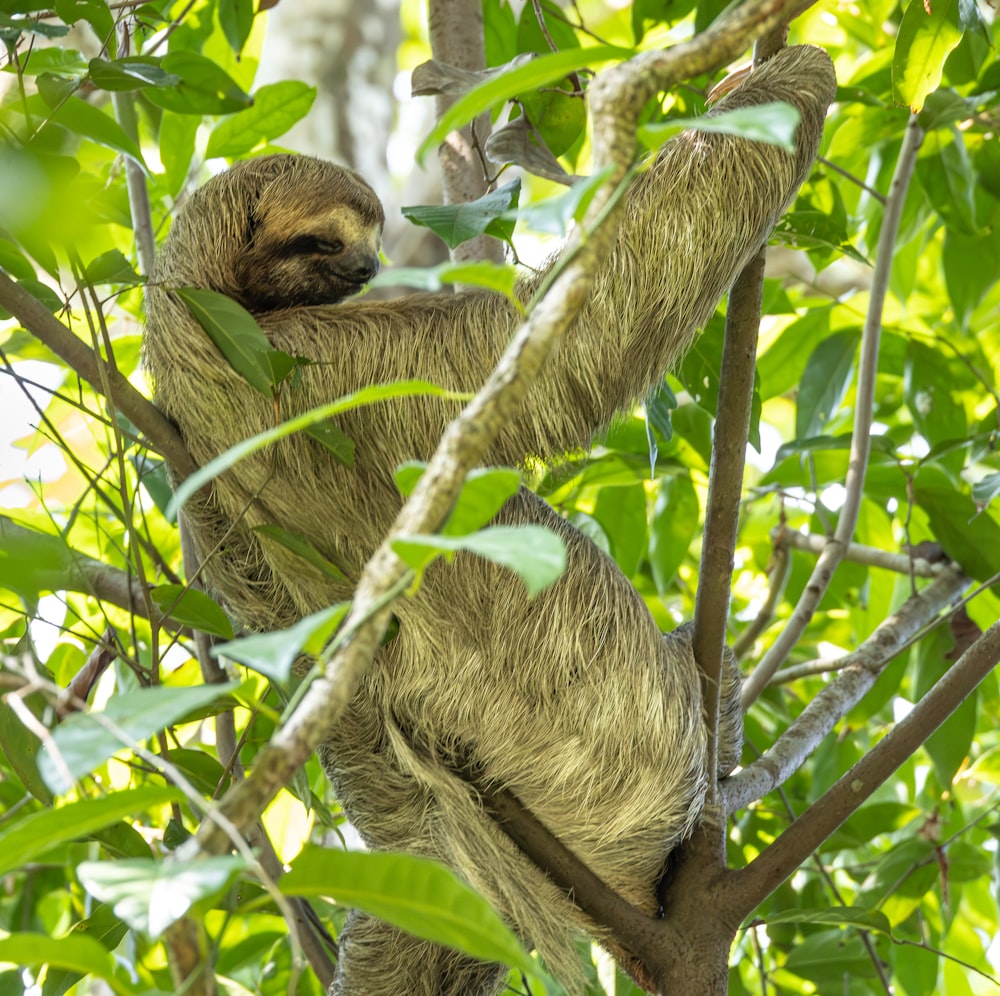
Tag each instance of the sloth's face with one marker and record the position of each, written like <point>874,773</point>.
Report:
<point>311,241</point>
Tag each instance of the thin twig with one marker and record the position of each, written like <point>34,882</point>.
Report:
<point>858,553</point>
<point>834,551</point>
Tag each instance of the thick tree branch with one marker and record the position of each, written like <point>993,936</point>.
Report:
<point>833,702</point>
<point>833,553</point>
<point>456,37</point>
<point>617,98</point>
<point>725,487</point>
<point>45,327</point>
<point>754,883</point>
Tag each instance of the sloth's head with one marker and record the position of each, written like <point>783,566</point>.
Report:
<point>276,232</point>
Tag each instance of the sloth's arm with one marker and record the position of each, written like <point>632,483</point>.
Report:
<point>691,222</point>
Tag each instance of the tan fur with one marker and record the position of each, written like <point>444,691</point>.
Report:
<point>574,700</point>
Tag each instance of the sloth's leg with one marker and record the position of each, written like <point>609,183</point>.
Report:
<point>379,960</point>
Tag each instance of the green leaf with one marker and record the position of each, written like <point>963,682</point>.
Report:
<point>971,263</point>
<point>81,954</point>
<point>825,381</point>
<point>951,743</point>
<point>276,107</point>
<point>419,896</point>
<point>236,21</point>
<point>132,73</point>
<point>927,34</point>
<point>774,123</point>
<point>32,562</point>
<point>81,743</point>
<point>986,489</point>
<point>237,336</point>
<point>329,435</point>
<point>204,88</point>
<point>31,836</point>
<point>674,525</point>
<point>536,554</point>
<point>61,61</point>
<point>90,122</point>
<point>539,73</point>
<point>483,494</point>
<point>456,223</point>
<point>16,26</point>
<point>841,916</point>
<point>358,399</point>
<point>20,745</point>
<point>150,895</point>
<point>193,608</point>
<point>783,362</point>
<point>273,654</point>
<point>499,277</point>
<point>945,172</point>
<point>968,536</point>
<point>97,13</point>
<point>112,268</point>
<point>927,389</point>
<point>554,215</point>
<point>300,546</point>
<point>649,13</point>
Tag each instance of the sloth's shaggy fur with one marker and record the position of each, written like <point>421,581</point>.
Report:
<point>573,700</point>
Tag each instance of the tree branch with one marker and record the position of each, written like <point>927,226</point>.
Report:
<point>45,327</point>
<point>725,487</point>
<point>871,556</point>
<point>456,37</point>
<point>858,675</point>
<point>754,883</point>
<point>833,552</point>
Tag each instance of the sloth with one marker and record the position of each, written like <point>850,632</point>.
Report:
<point>573,700</point>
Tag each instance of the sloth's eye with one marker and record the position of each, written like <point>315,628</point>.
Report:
<point>330,248</point>
<point>309,245</point>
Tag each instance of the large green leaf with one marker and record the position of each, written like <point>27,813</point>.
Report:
<point>204,87</point>
<point>82,742</point>
<point>676,514</point>
<point>149,895</point>
<point>193,608</point>
<point>420,896</point>
<point>276,107</point>
<point>774,123</point>
<point>540,72</point>
<point>456,223</point>
<point>273,654</point>
<point>81,954</point>
<point>536,554</point>
<point>364,396</point>
<point>825,380</point>
<point>927,34</point>
<point>32,835</point>
<point>239,338</point>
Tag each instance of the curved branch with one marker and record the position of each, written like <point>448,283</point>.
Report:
<point>834,551</point>
<point>754,883</point>
<point>44,326</point>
